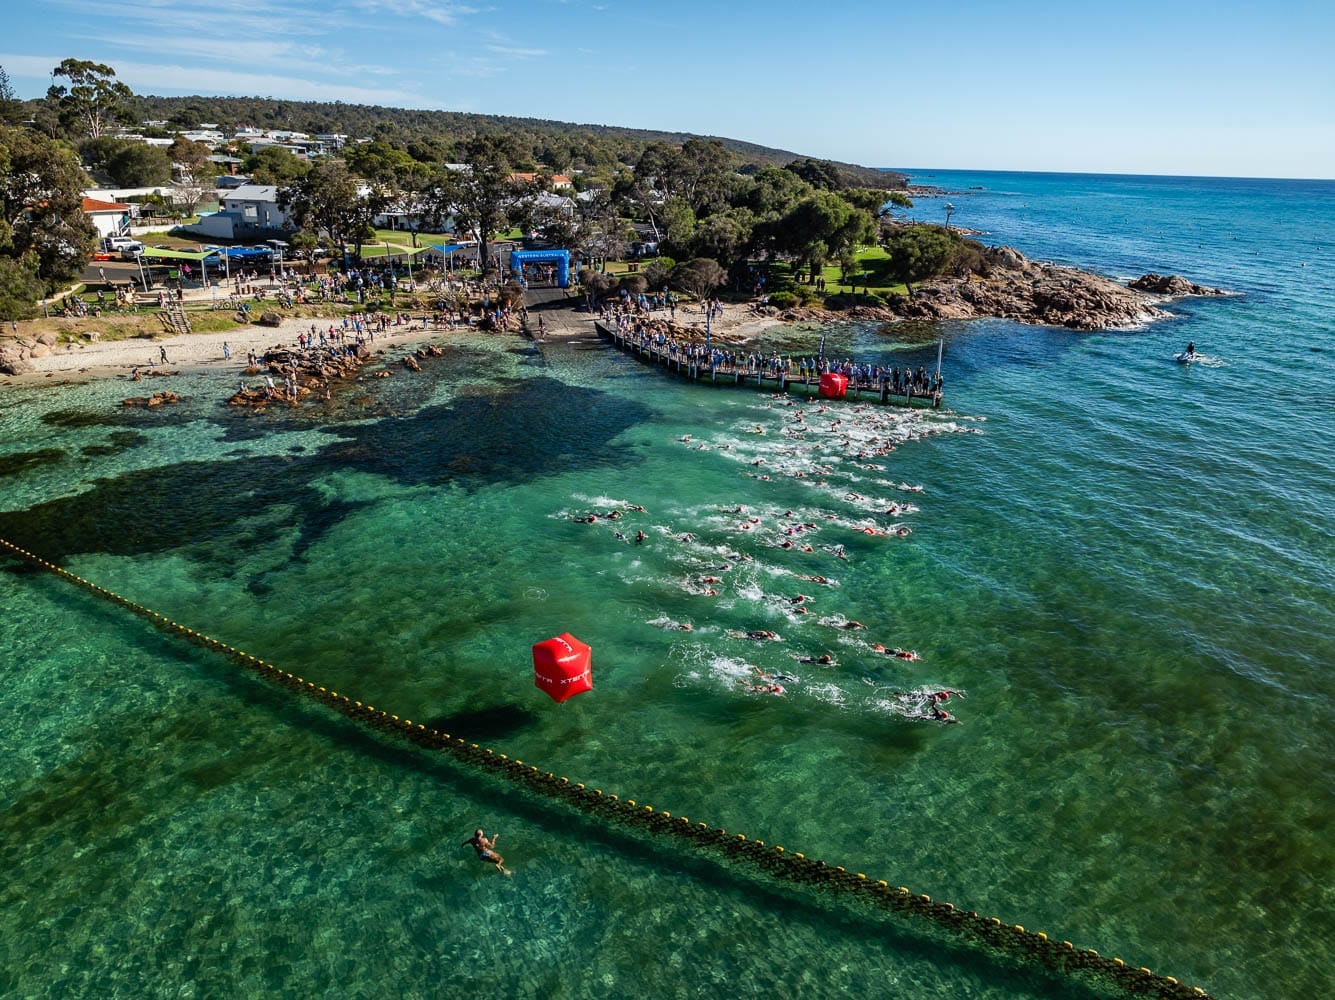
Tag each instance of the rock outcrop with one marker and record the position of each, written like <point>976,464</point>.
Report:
<point>1171,285</point>
<point>1031,292</point>
<point>14,359</point>
<point>157,399</point>
<point>1017,288</point>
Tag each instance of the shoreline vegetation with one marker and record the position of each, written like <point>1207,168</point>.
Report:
<point>1018,289</point>
<point>774,237</point>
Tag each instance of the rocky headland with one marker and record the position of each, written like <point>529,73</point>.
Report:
<point>1027,291</point>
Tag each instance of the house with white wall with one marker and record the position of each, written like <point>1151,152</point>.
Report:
<point>242,211</point>
<point>110,217</point>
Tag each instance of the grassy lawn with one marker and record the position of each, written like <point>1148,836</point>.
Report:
<point>404,238</point>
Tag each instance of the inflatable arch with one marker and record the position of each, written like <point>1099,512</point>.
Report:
<point>561,258</point>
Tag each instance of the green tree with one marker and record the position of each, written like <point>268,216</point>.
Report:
<point>481,195</point>
<point>818,173</point>
<point>273,165</point>
<point>11,108</point>
<point>19,285</point>
<point>93,99</point>
<point>595,285</point>
<point>140,165</point>
<point>678,226</point>
<point>724,236</point>
<point>303,243</point>
<point>703,173</point>
<point>378,161</point>
<point>328,199</point>
<point>918,253</point>
<point>41,205</point>
<point>193,158</point>
<point>821,224</point>
<point>96,153</point>
<point>699,277</point>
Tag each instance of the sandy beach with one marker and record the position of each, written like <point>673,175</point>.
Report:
<point>204,351</point>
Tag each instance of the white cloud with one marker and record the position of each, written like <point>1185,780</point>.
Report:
<point>518,53</point>
<point>162,79</point>
<point>432,10</point>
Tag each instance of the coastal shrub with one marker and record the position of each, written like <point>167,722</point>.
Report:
<point>656,273</point>
<point>634,284</point>
<point>783,300</point>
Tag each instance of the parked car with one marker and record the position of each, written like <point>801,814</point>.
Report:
<point>131,251</point>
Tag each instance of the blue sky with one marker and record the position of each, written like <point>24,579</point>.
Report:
<point>1223,88</point>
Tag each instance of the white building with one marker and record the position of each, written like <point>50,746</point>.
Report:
<point>249,207</point>
<point>111,218</point>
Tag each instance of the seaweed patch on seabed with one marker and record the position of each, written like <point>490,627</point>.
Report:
<point>509,435</point>
<point>215,510</point>
<point>117,442</point>
<point>12,465</point>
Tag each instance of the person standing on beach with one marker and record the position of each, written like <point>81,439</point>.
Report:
<point>227,351</point>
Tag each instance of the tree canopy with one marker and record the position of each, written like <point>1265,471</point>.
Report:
<point>920,252</point>
<point>327,199</point>
<point>139,165</point>
<point>41,203</point>
<point>482,194</point>
<point>94,98</point>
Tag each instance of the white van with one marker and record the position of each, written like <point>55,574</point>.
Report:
<point>114,243</point>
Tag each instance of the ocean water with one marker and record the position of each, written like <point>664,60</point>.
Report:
<point>1126,565</point>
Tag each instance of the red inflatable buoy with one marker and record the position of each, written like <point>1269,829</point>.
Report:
<point>562,667</point>
<point>833,386</point>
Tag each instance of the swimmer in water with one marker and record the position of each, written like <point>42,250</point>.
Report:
<point>667,624</point>
<point>757,634</point>
<point>639,537</point>
<point>905,654</point>
<point>824,660</point>
<point>486,850</point>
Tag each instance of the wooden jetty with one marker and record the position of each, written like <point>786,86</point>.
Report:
<point>693,371</point>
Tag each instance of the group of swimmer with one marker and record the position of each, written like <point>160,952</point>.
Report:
<point>709,561</point>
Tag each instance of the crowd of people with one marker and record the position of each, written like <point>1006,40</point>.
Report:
<point>676,344</point>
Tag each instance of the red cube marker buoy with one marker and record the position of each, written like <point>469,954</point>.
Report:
<point>833,386</point>
<point>562,667</point>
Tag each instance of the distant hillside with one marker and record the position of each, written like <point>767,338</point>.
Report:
<point>560,145</point>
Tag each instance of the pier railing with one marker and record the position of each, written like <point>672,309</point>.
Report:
<point>675,361</point>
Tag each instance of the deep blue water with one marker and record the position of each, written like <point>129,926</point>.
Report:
<point>1129,570</point>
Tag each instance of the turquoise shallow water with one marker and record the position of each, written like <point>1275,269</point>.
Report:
<point>1128,570</point>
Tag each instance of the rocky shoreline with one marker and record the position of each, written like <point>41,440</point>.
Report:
<point>1013,287</point>
<point>1026,291</point>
